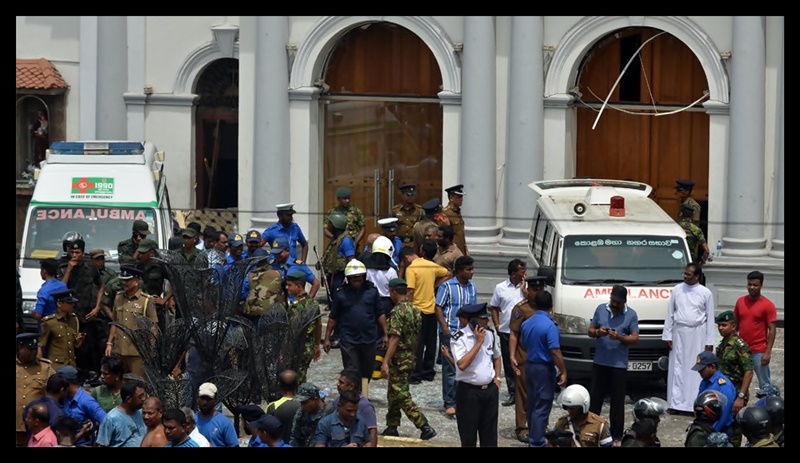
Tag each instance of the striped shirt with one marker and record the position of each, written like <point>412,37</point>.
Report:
<point>451,296</point>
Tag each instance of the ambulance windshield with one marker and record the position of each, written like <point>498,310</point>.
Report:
<point>101,227</point>
<point>592,259</point>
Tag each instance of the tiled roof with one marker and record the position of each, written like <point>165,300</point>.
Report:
<point>38,74</point>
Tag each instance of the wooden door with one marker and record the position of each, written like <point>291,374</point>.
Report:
<point>629,141</point>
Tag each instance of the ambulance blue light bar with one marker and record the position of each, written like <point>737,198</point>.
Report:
<point>94,148</point>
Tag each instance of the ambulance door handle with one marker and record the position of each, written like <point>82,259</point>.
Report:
<point>377,208</point>
<point>391,192</point>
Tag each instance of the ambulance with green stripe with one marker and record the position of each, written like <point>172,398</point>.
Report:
<point>98,189</point>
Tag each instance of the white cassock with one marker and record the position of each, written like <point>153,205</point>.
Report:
<point>690,326</point>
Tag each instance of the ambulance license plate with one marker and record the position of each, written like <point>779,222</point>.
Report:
<point>640,366</point>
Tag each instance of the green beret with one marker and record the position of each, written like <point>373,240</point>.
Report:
<point>296,275</point>
<point>343,192</point>
<point>395,283</point>
<point>725,317</point>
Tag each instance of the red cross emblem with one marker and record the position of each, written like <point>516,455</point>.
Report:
<point>82,185</point>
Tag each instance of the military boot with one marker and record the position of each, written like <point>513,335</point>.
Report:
<point>390,431</point>
<point>426,432</point>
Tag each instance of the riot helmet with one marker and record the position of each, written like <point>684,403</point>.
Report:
<point>709,405</point>
<point>69,238</point>
<point>755,423</point>
<point>774,406</point>
<point>575,395</point>
<point>338,220</point>
<point>649,407</point>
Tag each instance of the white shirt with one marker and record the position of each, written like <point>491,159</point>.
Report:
<point>380,278</point>
<point>481,371</point>
<point>199,438</point>
<point>506,296</point>
<point>691,305</point>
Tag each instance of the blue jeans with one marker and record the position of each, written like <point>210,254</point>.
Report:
<point>540,379</point>
<point>448,376</point>
<point>761,371</point>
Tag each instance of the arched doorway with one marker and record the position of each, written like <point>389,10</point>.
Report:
<point>382,119</point>
<point>217,132</point>
<point>628,140</point>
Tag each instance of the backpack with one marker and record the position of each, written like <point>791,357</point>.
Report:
<point>266,289</point>
<point>332,261</point>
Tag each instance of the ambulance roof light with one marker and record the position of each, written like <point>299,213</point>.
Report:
<point>96,148</point>
<point>617,207</point>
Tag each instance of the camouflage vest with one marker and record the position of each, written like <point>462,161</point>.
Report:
<point>332,261</point>
<point>266,288</point>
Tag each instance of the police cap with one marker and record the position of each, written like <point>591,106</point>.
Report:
<point>270,424</point>
<point>250,412</point>
<point>408,188</point>
<point>126,272</point>
<point>69,373</point>
<point>253,236</point>
<point>307,391</point>
<point>536,282</point>
<point>279,245</point>
<point>28,340</point>
<point>703,359</point>
<point>389,223</point>
<point>287,208</point>
<point>64,295</point>
<point>235,240</point>
<point>455,190</point>
<point>725,316</point>
<point>432,205</point>
<point>473,311</point>
<point>684,184</point>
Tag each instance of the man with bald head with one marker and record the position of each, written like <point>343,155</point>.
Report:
<point>285,407</point>
<point>368,247</point>
<point>152,413</point>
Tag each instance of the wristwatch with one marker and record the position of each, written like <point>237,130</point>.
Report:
<point>740,395</point>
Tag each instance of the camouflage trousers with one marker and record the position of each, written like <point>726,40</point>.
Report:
<point>398,396</point>
<point>302,369</point>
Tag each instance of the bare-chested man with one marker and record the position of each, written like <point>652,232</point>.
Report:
<point>152,411</point>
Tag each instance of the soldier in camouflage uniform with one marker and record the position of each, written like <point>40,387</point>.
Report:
<point>408,213</point>
<point>154,280</point>
<point>312,409</point>
<point>403,327</point>
<point>126,249</point>
<point>735,362</point>
<point>355,218</point>
<point>296,287</point>
<point>683,189</point>
<point>694,235</point>
<point>265,289</point>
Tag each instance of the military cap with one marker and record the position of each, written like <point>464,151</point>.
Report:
<point>78,244</point>
<point>389,223</point>
<point>287,208</point>
<point>408,188</point>
<point>126,272</point>
<point>28,340</point>
<point>395,283</point>
<point>684,184</point>
<point>97,254</point>
<point>473,310</point>
<point>147,245</point>
<point>250,412</point>
<point>188,231</point>
<point>253,236</point>
<point>432,205</point>
<point>279,245</point>
<point>267,423</point>
<point>307,391</point>
<point>687,207</point>
<point>296,275</point>
<point>536,282</point>
<point>141,227</point>
<point>704,358</point>
<point>725,316</point>
<point>343,192</point>
<point>235,240</point>
<point>64,295</point>
<point>455,190</point>
<point>619,294</point>
<point>69,373</point>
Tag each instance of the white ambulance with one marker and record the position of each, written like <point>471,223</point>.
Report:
<point>95,188</point>
<point>590,234</point>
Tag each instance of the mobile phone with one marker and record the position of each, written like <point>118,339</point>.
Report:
<point>474,323</point>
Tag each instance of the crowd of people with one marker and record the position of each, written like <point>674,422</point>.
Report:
<point>395,307</point>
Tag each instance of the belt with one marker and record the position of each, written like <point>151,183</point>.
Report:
<point>475,386</point>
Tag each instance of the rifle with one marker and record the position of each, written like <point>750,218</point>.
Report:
<point>324,277</point>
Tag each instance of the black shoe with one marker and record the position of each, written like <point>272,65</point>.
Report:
<point>510,401</point>
<point>334,343</point>
<point>427,432</point>
<point>390,431</point>
<point>523,437</point>
<point>429,378</point>
<point>414,381</point>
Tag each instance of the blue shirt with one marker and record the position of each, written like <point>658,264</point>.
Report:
<point>609,352</point>
<point>119,429</point>
<point>281,443</point>
<point>333,433</point>
<point>452,296</point>
<point>84,407</point>
<point>292,233</point>
<point>189,442</point>
<point>365,409</point>
<point>257,253</point>
<point>218,430</point>
<point>292,265</point>
<point>398,245</point>
<point>539,334</point>
<point>720,382</point>
<point>356,314</point>
<point>347,248</point>
<point>45,304</point>
<point>256,442</point>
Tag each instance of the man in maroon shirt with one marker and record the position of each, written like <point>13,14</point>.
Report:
<point>756,317</point>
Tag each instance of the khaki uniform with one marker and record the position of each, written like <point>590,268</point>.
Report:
<point>521,312</point>
<point>126,309</point>
<point>419,231</point>
<point>447,258</point>
<point>457,222</point>
<point>57,337</point>
<point>406,219</point>
<point>31,383</point>
<point>594,430</point>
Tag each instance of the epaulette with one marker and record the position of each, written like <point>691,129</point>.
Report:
<point>298,262</point>
<point>457,335</point>
<point>721,381</point>
<point>740,342</point>
<point>44,360</point>
<point>49,317</point>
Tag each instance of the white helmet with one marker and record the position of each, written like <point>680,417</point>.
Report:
<point>383,245</point>
<point>355,267</point>
<point>575,396</point>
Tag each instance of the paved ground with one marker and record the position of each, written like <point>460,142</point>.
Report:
<point>427,395</point>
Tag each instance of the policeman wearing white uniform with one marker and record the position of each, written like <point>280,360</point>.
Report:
<point>476,353</point>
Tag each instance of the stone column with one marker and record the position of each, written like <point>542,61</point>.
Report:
<point>478,163</point>
<point>87,78</point>
<point>744,231</point>
<point>777,239</point>
<point>135,98</point>
<point>271,125</point>
<point>525,145</point>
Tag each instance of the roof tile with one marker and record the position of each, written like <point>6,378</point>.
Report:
<point>38,74</point>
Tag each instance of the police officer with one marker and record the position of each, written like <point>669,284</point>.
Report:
<point>403,327</point>
<point>129,304</point>
<point>390,228</point>
<point>253,241</point>
<point>408,213</point>
<point>430,208</point>
<point>455,196</point>
<point>32,375</point>
<point>648,411</point>
<point>477,357</point>
<point>683,190</point>
<point>280,261</point>
<point>521,312</point>
<point>590,429</point>
<point>715,380</point>
<point>355,218</point>
<point>60,332</point>
<point>756,426</point>
<point>127,248</point>
<point>736,363</point>
<point>708,409</point>
<point>290,230</point>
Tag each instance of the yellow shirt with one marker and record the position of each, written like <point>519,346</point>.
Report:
<point>421,275</point>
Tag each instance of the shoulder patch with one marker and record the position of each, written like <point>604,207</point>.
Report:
<point>721,381</point>
<point>298,262</point>
<point>515,314</point>
<point>457,334</point>
<point>44,360</point>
